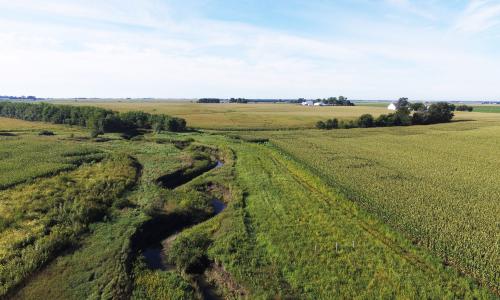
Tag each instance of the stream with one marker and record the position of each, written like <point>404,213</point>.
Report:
<point>154,253</point>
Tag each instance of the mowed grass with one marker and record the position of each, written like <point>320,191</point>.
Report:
<point>437,184</point>
<point>306,241</point>
<point>240,116</point>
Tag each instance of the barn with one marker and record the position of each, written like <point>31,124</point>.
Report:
<point>391,106</point>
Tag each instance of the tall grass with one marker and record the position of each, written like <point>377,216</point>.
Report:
<point>42,218</point>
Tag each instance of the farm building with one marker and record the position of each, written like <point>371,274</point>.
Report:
<point>319,104</point>
<point>308,103</point>
<point>391,106</point>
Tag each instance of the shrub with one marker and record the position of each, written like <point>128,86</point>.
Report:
<point>400,119</point>
<point>188,252</point>
<point>366,121</point>
<point>321,125</point>
<point>332,124</point>
<point>464,108</point>
<point>329,124</point>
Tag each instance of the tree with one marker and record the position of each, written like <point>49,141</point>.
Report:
<point>98,120</point>
<point>441,112</point>
<point>403,106</point>
<point>464,108</point>
<point>417,106</point>
<point>383,120</point>
<point>366,121</point>
<point>208,100</point>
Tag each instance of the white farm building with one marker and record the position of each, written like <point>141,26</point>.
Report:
<point>391,106</point>
<point>308,103</point>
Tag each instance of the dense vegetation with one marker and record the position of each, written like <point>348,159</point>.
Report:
<point>436,184</point>
<point>340,101</point>
<point>40,219</point>
<point>99,120</point>
<point>407,114</point>
<point>464,108</point>
<point>22,160</point>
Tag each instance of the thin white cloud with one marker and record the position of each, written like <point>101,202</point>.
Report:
<point>411,7</point>
<point>200,57</point>
<point>479,16</point>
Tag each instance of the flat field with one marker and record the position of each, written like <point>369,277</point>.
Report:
<point>240,116</point>
<point>487,108</point>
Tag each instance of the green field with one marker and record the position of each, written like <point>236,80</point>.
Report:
<point>401,212</point>
<point>487,108</point>
<point>436,184</point>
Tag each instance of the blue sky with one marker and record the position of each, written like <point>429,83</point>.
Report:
<point>364,49</point>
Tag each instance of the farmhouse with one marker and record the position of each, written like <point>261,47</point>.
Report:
<point>391,106</point>
<point>308,103</point>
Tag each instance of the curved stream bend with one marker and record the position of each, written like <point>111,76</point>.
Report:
<point>154,253</point>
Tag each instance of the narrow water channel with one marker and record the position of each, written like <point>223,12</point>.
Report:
<point>154,254</point>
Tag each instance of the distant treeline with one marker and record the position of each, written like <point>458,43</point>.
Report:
<point>209,100</point>
<point>340,101</point>
<point>333,101</point>
<point>18,98</point>
<point>406,114</point>
<point>238,100</point>
<point>217,100</point>
<point>464,108</point>
<point>97,119</point>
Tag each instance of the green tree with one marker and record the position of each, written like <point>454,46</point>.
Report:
<point>366,121</point>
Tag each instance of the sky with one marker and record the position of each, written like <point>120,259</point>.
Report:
<point>362,49</point>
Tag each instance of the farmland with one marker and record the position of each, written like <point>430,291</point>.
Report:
<point>239,116</point>
<point>437,184</point>
<point>406,212</point>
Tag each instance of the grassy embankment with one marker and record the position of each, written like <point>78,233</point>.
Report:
<point>436,184</point>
